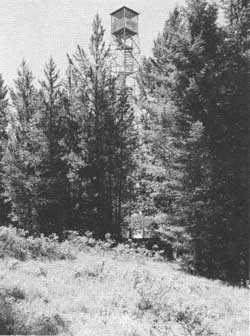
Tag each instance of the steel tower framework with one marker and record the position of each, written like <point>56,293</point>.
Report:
<point>125,46</point>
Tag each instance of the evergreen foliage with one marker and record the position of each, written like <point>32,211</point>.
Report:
<point>194,69</point>
<point>24,151</point>
<point>54,207</point>
<point>102,160</point>
<point>73,158</point>
<point>4,205</point>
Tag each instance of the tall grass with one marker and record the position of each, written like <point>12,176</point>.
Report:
<point>111,291</point>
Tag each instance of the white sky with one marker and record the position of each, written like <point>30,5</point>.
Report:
<point>38,29</point>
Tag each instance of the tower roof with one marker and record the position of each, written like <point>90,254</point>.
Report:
<point>124,7</point>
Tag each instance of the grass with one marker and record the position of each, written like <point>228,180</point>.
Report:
<point>103,292</point>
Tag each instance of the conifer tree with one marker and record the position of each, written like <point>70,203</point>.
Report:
<point>193,66</point>
<point>165,131</point>
<point>121,145</point>
<point>24,152</point>
<point>102,160</point>
<point>233,148</point>
<point>4,205</point>
<point>55,205</point>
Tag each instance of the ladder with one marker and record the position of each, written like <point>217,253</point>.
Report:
<point>128,61</point>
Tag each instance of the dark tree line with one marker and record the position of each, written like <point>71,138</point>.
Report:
<point>73,158</point>
<point>196,101</point>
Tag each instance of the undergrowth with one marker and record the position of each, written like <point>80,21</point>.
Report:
<point>16,243</point>
<point>87,287</point>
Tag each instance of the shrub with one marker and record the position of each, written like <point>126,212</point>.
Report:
<point>16,243</point>
<point>14,321</point>
<point>170,317</point>
<point>15,293</point>
<point>82,243</point>
<point>6,316</point>
<point>193,321</point>
<point>11,320</point>
<point>12,243</point>
<point>94,271</point>
<point>151,292</point>
<point>49,247</point>
<point>47,325</point>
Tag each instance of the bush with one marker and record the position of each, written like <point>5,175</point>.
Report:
<point>6,316</point>
<point>47,325</point>
<point>15,293</point>
<point>11,321</point>
<point>170,317</point>
<point>14,320</point>
<point>17,244</point>
<point>13,243</point>
<point>49,247</point>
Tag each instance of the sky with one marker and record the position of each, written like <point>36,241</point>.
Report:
<point>37,29</point>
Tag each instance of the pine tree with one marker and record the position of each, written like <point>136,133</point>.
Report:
<point>166,127</point>
<point>121,145</point>
<point>24,151</point>
<point>226,105</point>
<point>193,67</point>
<point>54,188</point>
<point>4,205</point>
<point>102,160</point>
<point>233,148</point>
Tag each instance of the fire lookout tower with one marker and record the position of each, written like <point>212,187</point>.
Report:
<point>125,45</point>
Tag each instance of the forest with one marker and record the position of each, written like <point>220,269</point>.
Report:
<point>77,154</point>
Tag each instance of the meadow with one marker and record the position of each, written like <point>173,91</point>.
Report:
<point>83,287</point>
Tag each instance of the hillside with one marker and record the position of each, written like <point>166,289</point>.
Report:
<point>103,291</point>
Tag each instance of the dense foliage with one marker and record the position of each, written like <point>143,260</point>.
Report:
<point>195,92</point>
<point>73,158</point>
<point>69,152</point>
